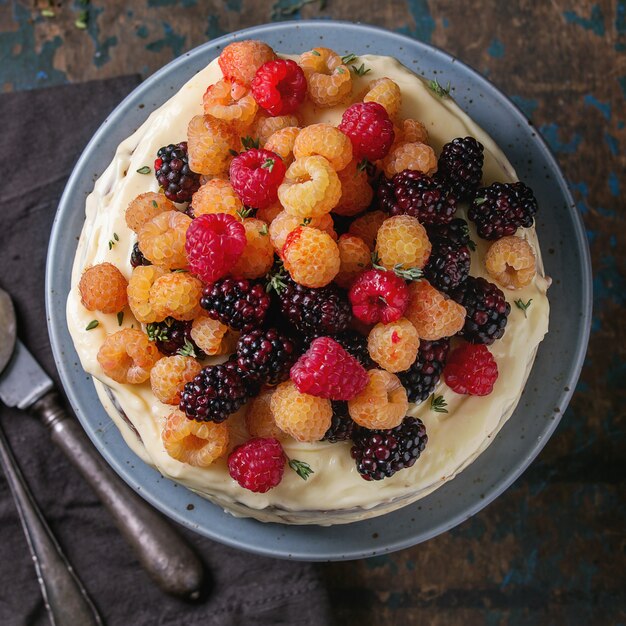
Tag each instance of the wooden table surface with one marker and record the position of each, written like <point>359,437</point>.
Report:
<point>551,550</point>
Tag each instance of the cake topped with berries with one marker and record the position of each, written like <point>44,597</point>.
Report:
<point>311,284</point>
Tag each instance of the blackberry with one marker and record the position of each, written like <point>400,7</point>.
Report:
<point>500,209</point>
<point>341,426</point>
<point>422,377</point>
<point>460,165</point>
<point>486,310</point>
<point>266,355</point>
<point>215,393</point>
<point>356,344</point>
<point>137,258</point>
<point>418,195</point>
<point>174,337</point>
<point>448,265</point>
<point>171,169</point>
<point>381,453</point>
<point>456,232</point>
<point>240,304</point>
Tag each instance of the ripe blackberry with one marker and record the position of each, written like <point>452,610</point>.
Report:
<point>341,426</point>
<point>174,337</point>
<point>448,265</point>
<point>500,209</point>
<point>460,165</point>
<point>456,232</point>
<point>171,169</point>
<point>422,377</point>
<point>418,195</point>
<point>240,304</point>
<point>381,453</point>
<point>486,310</point>
<point>356,344</point>
<point>266,355</point>
<point>137,258</point>
<point>215,393</point>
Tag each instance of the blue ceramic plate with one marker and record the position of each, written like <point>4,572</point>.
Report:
<point>554,374</point>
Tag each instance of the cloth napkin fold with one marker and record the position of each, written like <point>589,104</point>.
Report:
<point>43,133</point>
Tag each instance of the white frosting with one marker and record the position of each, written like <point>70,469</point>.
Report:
<point>334,493</point>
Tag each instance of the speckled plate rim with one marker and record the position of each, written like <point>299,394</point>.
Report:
<point>560,356</point>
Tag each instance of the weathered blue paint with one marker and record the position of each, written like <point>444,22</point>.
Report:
<point>528,105</point>
<point>550,133</point>
<point>424,23</point>
<point>603,107</point>
<point>213,28</point>
<point>496,48</point>
<point>612,142</point>
<point>165,3</point>
<point>594,23</point>
<point>102,48</point>
<point>142,31</point>
<point>622,83</point>
<point>171,40</point>
<point>614,186</point>
<point>608,282</point>
<point>233,5</point>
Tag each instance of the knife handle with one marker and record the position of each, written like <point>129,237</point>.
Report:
<point>163,553</point>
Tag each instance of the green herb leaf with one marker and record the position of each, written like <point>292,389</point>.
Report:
<point>155,204</point>
<point>156,333</point>
<point>116,237</point>
<point>276,281</point>
<point>268,164</point>
<point>361,70</point>
<point>120,318</point>
<point>349,58</point>
<point>301,468</point>
<point>233,152</point>
<point>47,13</point>
<point>315,53</point>
<point>411,273</point>
<point>363,165</point>
<point>180,270</point>
<point>83,19</point>
<point>187,349</point>
<point>438,404</point>
<point>244,212</point>
<point>144,170</point>
<point>523,306</point>
<point>111,244</point>
<point>471,245</point>
<point>340,70</point>
<point>248,142</point>
<point>92,325</point>
<point>479,201</point>
<point>263,230</point>
<point>306,221</point>
<point>438,90</point>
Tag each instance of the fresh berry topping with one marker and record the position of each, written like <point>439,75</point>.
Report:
<point>209,335</point>
<point>177,295</point>
<point>266,125</point>
<point>102,288</point>
<point>471,369</point>
<point>258,255</point>
<point>324,140</point>
<point>285,223</point>
<point>282,142</point>
<point>393,346</point>
<point>486,310</point>
<point>366,227</point>
<point>259,418</point>
<point>216,196</point>
<point>511,262</point>
<point>354,256</point>
<point>369,128</point>
<point>378,296</point>
<point>137,258</point>
<point>141,281</point>
<point>329,79</point>
<point>402,243</point>
<point>169,375</point>
<point>279,86</point>
<point>341,426</point>
<point>448,265</point>
<point>311,257</point>
<point>162,239</point>
<point>461,166</point>
<point>211,145</point>
<point>214,243</point>
<point>387,93</point>
<point>422,377</point>
<point>145,207</point>
<point>174,337</point>
<point>240,304</point>
<point>381,453</point>
<point>127,356</point>
<point>356,344</point>
<point>412,131</point>
<point>240,60</point>
<point>456,232</point>
<point>417,157</point>
<point>304,417</point>
<point>383,402</point>
<point>231,102</point>
<point>266,355</point>
<point>258,465</point>
<point>356,191</point>
<point>172,172</point>
<point>215,393</point>
<point>415,194</point>
<point>255,176</point>
<point>326,370</point>
<point>501,208</point>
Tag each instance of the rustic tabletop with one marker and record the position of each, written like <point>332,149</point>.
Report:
<point>551,550</point>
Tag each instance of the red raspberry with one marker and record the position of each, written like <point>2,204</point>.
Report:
<point>369,128</point>
<point>471,369</point>
<point>327,370</point>
<point>213,244</point>
<point>258,464</point>
<point>378,296</point>
<point>255,176</point>
<point>279,86</point>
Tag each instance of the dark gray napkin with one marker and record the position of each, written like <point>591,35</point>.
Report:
<point>43,133</point>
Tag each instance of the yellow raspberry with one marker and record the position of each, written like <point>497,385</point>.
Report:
<point>195,443</point>
<point>259,417</point>
<point>268,214</point>
<point>285,223</point>
<point>210,145</point>
<point>141,281</point>
<point>127,356</point>
<point>281,142</point>
<point>366,227</point>
<point>387,93</point>
<point>208,334</point>
<point>304,417</point>
<point>402,241</point>
<point>311,257</point>
<point>354,258</point>
<point>311,187</point>
<point>511,261</point>
<point>218,102</point>
<point>169,375</point>
<point>146,206</point>
<point>258,255</point>
<point>240,60</point>
<point>162,239</point>
<point>433,314</point>
<point>176,295</point>
<point>413,132</point>
<point>382,404</point>
<point>102,288</point>
<point>324,140</point>
<point>356,192</point>
<point>216,196</point>
<point>265,126</point>
<point>410,156</point>
<point>394,346</point>
<point>329,79</point>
